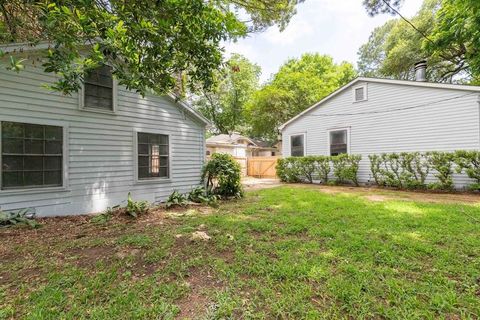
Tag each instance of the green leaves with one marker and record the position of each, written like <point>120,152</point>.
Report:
<point>221,176</point>
<point>16,64</point>
<point>19,217</point>
<point>150,45</point>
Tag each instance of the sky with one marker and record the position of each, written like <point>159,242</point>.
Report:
<point>334,27</point>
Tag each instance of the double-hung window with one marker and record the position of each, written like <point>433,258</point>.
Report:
<point>338,142</point>
<point>153,155</point>
<point>32,155</point>
<point>297,145</point>
<point>98,89</point>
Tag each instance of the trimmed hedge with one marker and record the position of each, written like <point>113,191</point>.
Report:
<point>309,168</point>
<point>409,170</point>
<point>405,170</point>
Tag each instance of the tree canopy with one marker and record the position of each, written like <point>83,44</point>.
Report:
<point>296,86</point>
<point>149,44</point>
<point>444,32</point>
<point>224,103</point>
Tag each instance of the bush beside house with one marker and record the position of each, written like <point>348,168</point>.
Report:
<point>405,170</point>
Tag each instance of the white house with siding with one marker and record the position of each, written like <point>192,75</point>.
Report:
<point>81,153</point>
<point>374,116</point>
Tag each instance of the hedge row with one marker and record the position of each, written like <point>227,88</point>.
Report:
<point>305,169</point>
<point>409,170</point>
<point>406,170</point>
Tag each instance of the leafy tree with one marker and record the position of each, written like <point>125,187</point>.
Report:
<point>148,43</point>
<point>296,86</point>
<point>443,32</point>
<point>223,104</point>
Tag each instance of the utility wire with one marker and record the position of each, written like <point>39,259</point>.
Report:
<point>390,110</point>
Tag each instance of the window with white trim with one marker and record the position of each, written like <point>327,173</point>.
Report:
<point>98,89</point>
<point>297,145</point>
<point>338,142</point>
<point>153,155</point>
<point>360,93</point>
<point>32,155</point>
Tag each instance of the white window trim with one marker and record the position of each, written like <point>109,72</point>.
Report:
<point>65,156</point>
<point>304,134</point>
<point>135,157</point>
<point>338,129</point>
<point>81,99</point>
<point>365,92</point>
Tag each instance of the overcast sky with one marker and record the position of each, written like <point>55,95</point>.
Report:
<point>334,27</point>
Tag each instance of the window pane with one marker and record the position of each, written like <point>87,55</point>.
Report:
<point>33,178</point>
<point>163,161</point>
<point>12,179</point>
<point>156,147</point>
<point>12,130</point>
<point>33,131</point>
<point>143,172</point>
<point>52,163</point>
<point>101,76</point>
<point>297,141</point>
<point>12,146</point>
<point>359,94</point>
<point>143,161</point>
<point>338,137</point>
<point>296,147</point>
<point>53,133</point>
<point>33,146</point>
<point>99,89</point>
<point>53,147</point>
<point>53,177</point>
<point>33,163</point>
<point>11,163</point>
<point>163,173</point>
<point>24,163</point>
<point>143,148</point>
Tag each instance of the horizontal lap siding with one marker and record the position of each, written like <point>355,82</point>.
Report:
<point>100,146</point>
<point>440,126</point>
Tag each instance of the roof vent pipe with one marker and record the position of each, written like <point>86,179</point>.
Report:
<point>421,71</point>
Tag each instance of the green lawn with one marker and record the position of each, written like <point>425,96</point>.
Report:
<point>286,252</point>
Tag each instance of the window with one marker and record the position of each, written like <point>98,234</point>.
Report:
<point>32,155</point>
<point>153,156</point>
<point>360,93</point>
<point>273,154</point>
<point>338,142</point>
<point>297,145</point>
<point>208,153</point>
<point>98,89</point>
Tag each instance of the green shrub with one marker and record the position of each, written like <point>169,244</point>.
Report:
<point>307,167</point>
<point>222,176</point>
<point>134,208</point>
<point>18,217</point>
<point>288,170</point>
<point>322,167</point>
<point>345,168</point>
<point>200,195</point>
<point>469,161</point>
<point>176,199</point>
<point>377,163</point>
<point>442,163</point>
<point>415,168</point>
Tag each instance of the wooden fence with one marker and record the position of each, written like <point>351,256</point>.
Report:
<point>262,167</point>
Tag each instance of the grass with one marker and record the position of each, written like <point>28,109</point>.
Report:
<point>287,253</point>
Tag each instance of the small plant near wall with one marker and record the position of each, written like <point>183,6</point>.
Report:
<point>200,195</point>
<point>176,199</point>
<point>135,208</point>
<point>18,217</point>
<point>469,162</point>
<point>442,163</point>
<point>345,168</point>
<point>416,167</point>
<point>222,176</point>
<point>322,168</point>
<point>288,170</point>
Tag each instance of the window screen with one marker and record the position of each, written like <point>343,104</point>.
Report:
<point>338,142</point>
<point>32,155</point>
<point>297,145</point>
<point>153,156</point>
<point>359,94</point>
<point>98,89</point>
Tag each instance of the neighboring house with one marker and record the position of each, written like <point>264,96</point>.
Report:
<point>83,153</point>
<point>240,146</point>
<point>374,116</point>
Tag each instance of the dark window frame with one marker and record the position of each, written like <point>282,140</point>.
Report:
<point>37,159</point>
<point>152,151</point>
<point>338,148</point>
<point>303,145</point>
<point>90,82</point>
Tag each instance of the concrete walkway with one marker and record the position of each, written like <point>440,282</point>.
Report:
<point>251,183</point>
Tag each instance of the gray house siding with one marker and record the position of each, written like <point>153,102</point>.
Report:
<point>441,119</point>
<point>100,159</point>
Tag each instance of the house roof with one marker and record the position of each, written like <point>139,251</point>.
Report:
<point>230,140</point>
<point>19,48</point>
<point>388,81</point>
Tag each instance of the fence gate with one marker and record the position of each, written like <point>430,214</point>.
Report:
<point>262,167</point>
